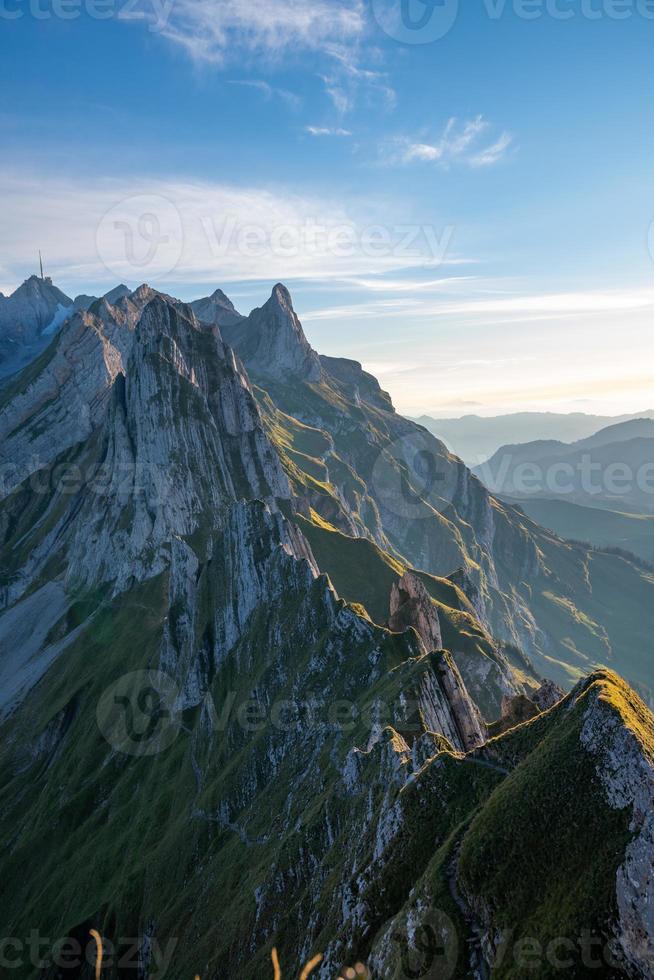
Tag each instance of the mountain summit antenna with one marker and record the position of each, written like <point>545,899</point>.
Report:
<point>41,263</point>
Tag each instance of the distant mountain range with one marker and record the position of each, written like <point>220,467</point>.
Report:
<point>278,670</point>
<point>612,469</point>
<point>475,438</point>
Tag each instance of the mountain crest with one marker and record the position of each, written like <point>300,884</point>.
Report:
<point>216,309</point>
<point>272,342</point>
<point>28,318</point>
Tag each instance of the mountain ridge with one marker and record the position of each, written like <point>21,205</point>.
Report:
<point>261,549</point>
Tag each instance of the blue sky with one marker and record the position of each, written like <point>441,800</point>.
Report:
<point>468,216</point>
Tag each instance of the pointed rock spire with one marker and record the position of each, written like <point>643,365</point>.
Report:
<point>411,605</point>
<point>272,343</point>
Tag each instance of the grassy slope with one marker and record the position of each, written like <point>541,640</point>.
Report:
<point>543,852</point>
<point>592,609</point>
<point>363,574</point>
<point>602,528</point>
<point>596,607</point>
<point>539,847</point>
<point>542,848</point>
<point>107,835</point>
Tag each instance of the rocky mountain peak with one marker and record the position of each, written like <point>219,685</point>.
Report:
<point>35,289</point>
<point>281,297</point>
<point>117,293</point>
<point>221,297</point>
<point>143,293</point>
<point>272,342</point>
<point>216,309</point>
<point>28,318</point>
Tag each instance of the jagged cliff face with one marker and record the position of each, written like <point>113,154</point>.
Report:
<point>371,473</point>
<point>240,551</point>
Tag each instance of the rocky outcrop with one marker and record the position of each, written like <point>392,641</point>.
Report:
<point>547,695</point>
<point>521,707</point>
<point>621,743</point>
<point>118,292</point>
<point>271,341</point>
<point>515,711</point>
<point>445,706</point>
<point>167,439</point>
<point>360,385</point>
<point>469,723</point>
<point>85,302</point>
<point>412,606</point>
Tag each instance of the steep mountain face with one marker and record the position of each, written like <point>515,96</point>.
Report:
<point>272,343</point>
<point>217,309</point>
<point>28,318</point>
<point>367,472</point>
<point>252,629</point>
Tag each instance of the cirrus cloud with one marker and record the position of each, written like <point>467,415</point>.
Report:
<point>463,142</point>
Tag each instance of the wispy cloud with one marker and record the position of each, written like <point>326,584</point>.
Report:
<point>473,306</point>
<point>216,31</point>
<point>492,154</point>
<point>176,231</point>
<point>566,304</point>
<point>386,285</point>
<point>460,141</point>
<point>326,131</point>
<point>268,91</point>
<point>348,80</point>
<point>225,32</point>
